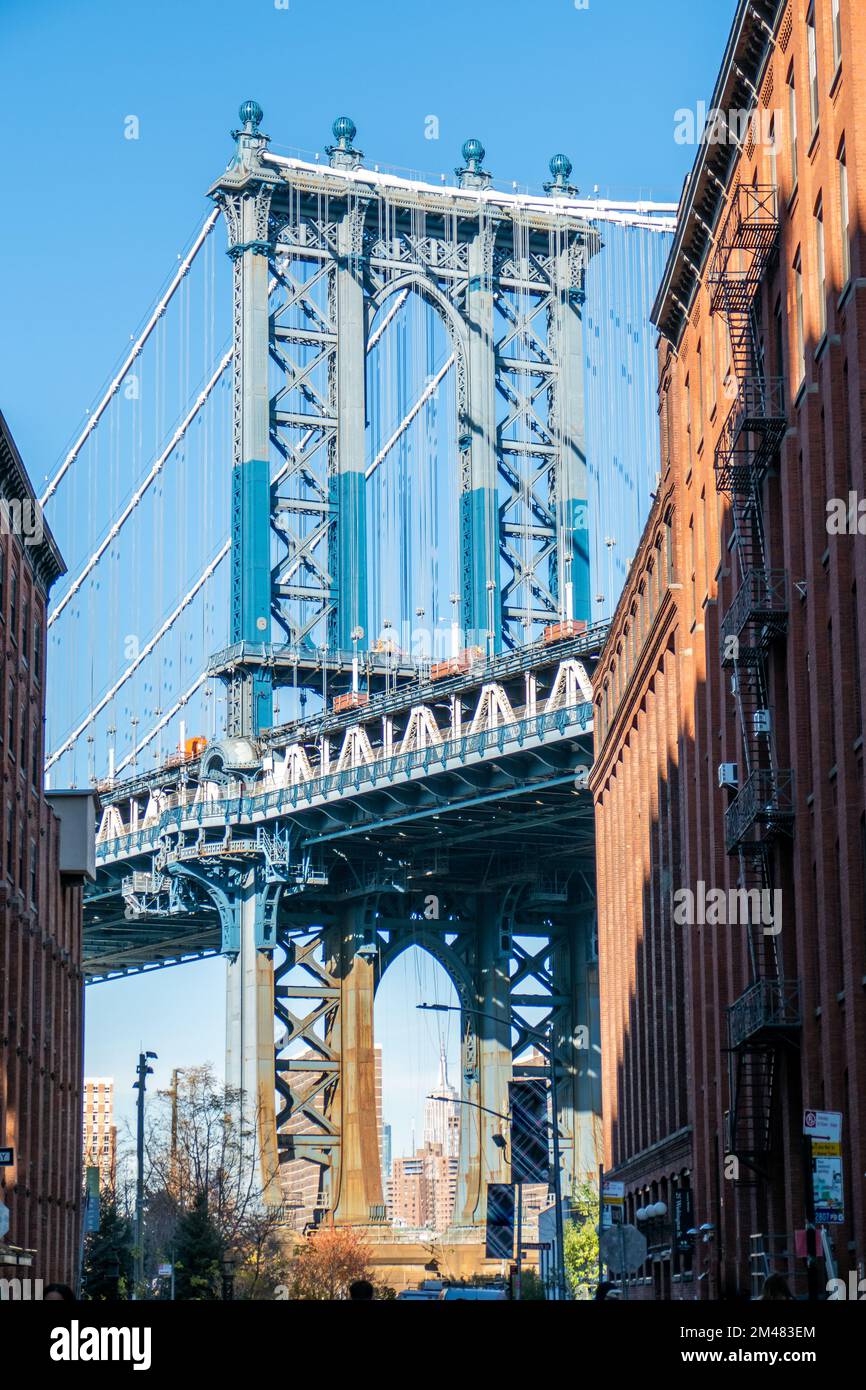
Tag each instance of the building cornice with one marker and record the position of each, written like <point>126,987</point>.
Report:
<point>748,51</point>
<point>15,486</point>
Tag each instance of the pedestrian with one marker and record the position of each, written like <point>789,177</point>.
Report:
<point>361,1291</point>
<point>776,1290</point>
<point>58,1293</point>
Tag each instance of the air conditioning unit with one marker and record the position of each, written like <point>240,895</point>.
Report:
<point>763,722</point>
<point>729,778</point>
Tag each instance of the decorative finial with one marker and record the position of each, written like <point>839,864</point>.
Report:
<point>345,130</point>
<point>560,167</point>
<point>251,115</point>
<point>473,153</point>
<point>343,155</point>
<point>473,174</point>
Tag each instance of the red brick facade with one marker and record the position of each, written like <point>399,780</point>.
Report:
<point>41,986</point>
<point>670,712</point>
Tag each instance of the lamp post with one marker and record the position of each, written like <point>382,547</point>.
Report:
<point>229,1263</point>
<point>143,1072</point>
<point>455,625</point>
<point>357,634</point>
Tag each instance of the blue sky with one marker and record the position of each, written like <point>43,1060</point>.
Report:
<point>94,222</point>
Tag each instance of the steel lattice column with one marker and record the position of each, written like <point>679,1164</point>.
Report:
<point>250,1040</point>
<point>348,483</point>
<point>478,501</point>
<point>485,1066</point>
<point>244,194</point>
<point>572,580</point>
<point>356,1191</point>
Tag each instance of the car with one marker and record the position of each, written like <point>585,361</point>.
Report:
<point>452,1292</point>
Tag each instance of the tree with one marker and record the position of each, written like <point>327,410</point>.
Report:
<point>332,1258</point>
<point>581,1239</point>
<point>202,1158</point>
<point>198,1253</point>
<point>107,1272</point>
<point>531,1287</point>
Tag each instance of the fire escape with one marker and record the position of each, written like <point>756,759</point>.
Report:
<point>767,1015</point>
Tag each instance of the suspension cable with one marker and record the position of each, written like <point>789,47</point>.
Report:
<point>210,222</point>
<point>156,469</point>
<point>166,718</point>
<point>143,654</point>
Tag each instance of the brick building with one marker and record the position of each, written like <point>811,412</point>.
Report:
<point>423,1189</point>
<point>729,738</point>
<point>43,857</point>
<point>100,1131</point>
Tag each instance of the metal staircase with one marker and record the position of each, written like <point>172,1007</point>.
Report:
<point>766,1016</point>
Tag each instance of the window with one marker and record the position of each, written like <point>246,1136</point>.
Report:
<point>779,335</point>
<point>792,127</point>
<point>858,694</point>
<point>10,715</point>
<point>714,365</point>
<point>700,392</point>
<point>773,150</point>
<point>812,42</point>
<point>844,214</point>
<point>10,841</point>
<point>33,874</point>
<point>37,651</point>
<point>23,743</point>
<point>693,565</point>
<point>821,265</point>
<point>35,763</point>
<point>836,13</point>
<point>801,330</point>
<point>831,694</point>
<point>13,607</point>
<point>689,417</point>
<point>25,630</point>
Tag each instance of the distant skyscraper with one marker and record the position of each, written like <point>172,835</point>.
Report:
<point>442,1119</point>
<point>100,1132</point>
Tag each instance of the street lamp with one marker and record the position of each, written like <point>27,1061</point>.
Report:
<point>455,625</point>
<point>357,634</point>
<point>143,1071</point>
<point>229,1262</point>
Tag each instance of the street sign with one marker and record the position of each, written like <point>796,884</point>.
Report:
<point>4,1220</point>
<point>538,1245</point>
<point>7,1158</point>
<point>164,1272</point>
<point>622,1248</point>
<point>823,1125</point>
<point>823,1128</point>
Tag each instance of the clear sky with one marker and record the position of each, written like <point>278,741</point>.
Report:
<point>93,222</point>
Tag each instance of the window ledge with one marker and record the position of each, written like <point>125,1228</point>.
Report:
<point>815,141</point>
<point>837,81</point>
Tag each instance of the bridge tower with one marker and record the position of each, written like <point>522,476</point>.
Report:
<point>313,261</point>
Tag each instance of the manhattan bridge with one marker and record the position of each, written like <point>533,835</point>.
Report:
<point>343,533</point>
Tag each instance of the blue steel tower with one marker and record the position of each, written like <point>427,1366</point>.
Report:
<point>311,268</point>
